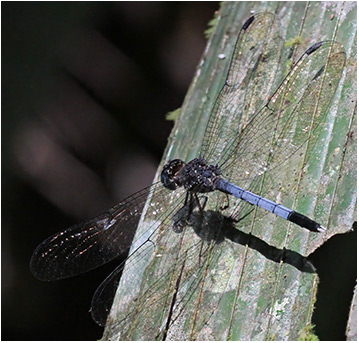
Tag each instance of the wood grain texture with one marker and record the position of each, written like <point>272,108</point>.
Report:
<point>256,284</point>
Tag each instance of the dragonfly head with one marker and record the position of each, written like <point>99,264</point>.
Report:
<point>170,174</point>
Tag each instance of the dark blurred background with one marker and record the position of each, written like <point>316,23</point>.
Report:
<point>85,90</point>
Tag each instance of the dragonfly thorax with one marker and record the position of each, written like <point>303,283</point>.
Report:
<point>195,176</point>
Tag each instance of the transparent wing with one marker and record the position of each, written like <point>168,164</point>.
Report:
<point>153,288</point>
<point>173,258</point>
<point>277,132</point>
<point>103,298</point>
<point>97,241</point>
<point>290,117</point>
<point>250,76</point>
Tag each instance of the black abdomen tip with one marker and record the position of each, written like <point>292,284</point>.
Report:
<point>305,222</point>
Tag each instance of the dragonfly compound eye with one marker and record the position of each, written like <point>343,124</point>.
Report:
<point>170,174</point>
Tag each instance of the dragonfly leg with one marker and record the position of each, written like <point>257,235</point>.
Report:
<point>182,218</point>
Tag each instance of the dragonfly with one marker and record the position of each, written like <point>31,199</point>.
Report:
<point>242,150</point>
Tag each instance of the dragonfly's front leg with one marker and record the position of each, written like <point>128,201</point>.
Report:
<point>183,217</point>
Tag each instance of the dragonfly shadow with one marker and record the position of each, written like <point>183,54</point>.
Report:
<point>213,226</point>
